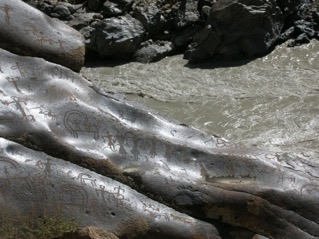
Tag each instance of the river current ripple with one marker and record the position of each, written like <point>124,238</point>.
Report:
<point>270,102</point>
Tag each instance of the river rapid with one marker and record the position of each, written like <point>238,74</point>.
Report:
<point>269,102</point>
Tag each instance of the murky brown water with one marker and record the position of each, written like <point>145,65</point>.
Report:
<point>271,102</point>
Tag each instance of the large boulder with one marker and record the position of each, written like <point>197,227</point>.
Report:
<point>51,109</point>
<point>187,13</point>
<point>35,185</point>
<point>238,28</point>
<point>117,37</point>
<point>39,95</point>
<point>27,31</point>
<point>67,147</point>
<point>150,51</point>
<point>152,19</point>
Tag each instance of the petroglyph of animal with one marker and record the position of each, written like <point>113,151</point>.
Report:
<point>76,121</point>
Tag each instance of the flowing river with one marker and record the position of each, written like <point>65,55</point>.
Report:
<point>270,102</point>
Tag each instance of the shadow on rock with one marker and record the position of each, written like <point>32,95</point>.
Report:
<point>67,146</point>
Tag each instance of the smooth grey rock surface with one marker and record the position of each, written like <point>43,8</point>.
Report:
<point>35,185</point>
<point>66,146</point>
<point>34,33</point>
<point>54,110</point>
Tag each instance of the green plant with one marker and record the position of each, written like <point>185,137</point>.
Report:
<point>39,229</point>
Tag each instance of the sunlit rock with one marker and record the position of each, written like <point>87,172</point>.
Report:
<point>54,110</point>
<point>27,31</point>
<point>35,185</point>
<point>67,147</point>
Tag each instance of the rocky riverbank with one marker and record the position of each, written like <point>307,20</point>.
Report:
<point>147,30</point>
<point>71,149</point>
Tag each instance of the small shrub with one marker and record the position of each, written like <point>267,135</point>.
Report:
<point>39,229</point>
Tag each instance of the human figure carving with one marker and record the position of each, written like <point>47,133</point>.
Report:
<point>6,9</point>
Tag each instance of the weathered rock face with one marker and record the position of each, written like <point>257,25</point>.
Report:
<point>113,8</point>
<point>151,18</point>
<point>237,28</point>
<point>187,14</point>
<point>209,28</point>
<point>117,38</point>
<point>67,147</point>
<point>34,184</point>
<point>82,20</point>
<point>52,109</point>
<point>150,51</point>
<point>35,34</point>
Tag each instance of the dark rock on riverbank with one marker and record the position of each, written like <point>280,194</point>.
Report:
<point>236,28</point>
<point>207,29</point>
<point>113,8</point>
<point>150,51</point>
<point>116,38</point>
<point>152,19</point>
<point>187,14</point>
<point>67,147</point>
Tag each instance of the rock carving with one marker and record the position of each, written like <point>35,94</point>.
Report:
<point>67,146</point>
<point>43,36</point>
<point>76,121</point>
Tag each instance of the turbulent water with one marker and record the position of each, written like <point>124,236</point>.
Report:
<point>271,102</point>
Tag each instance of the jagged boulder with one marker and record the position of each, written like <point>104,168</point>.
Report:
<point>116,37</point>
<point>83,20</point>
<point>292,8</point>
<point>113,8</point>
<point>33,33</point>
<point>150,51</point>
<point>187,14</point>
<point>238,28</point>
<point>152,19</point>
<point>68,147</point>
